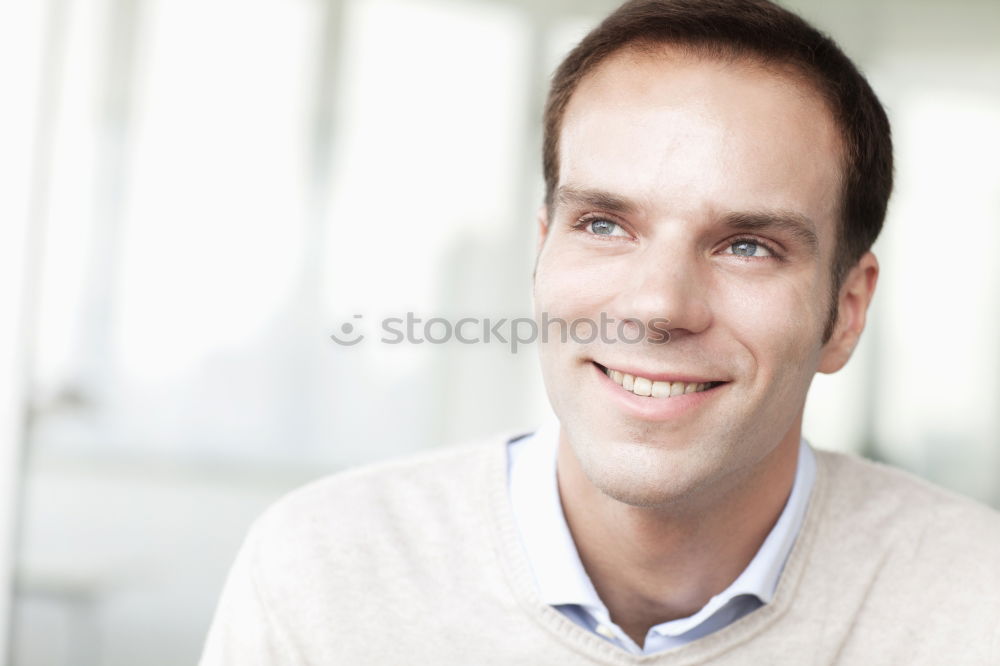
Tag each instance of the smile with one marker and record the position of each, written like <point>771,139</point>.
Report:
<point>645,387</point>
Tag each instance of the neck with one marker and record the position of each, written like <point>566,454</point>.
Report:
<point>693,549</point>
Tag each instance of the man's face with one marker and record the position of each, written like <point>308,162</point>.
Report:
<point>703,193</point>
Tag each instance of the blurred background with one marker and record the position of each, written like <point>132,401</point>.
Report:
<point>197,193</point>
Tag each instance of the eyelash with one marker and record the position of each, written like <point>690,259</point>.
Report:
<point>583,222</point>
<point>770,247</point>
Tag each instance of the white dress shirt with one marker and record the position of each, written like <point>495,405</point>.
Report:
<point>563,583</point>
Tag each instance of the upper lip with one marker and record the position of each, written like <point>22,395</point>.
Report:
<point>668,376</point>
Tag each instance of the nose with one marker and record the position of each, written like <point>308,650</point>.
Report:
<point>667,284</point>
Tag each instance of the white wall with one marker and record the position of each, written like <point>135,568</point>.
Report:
<point>21,31</point>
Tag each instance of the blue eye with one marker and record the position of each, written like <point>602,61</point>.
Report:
<point>749,248</point>
<point>605,228</point>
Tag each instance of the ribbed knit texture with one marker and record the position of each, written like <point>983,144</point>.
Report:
<point>418,562</point>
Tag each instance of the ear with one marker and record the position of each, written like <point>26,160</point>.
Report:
<point>543,227</point>
<point>852,307</point>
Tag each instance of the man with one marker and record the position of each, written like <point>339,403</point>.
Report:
<point>716,170</point>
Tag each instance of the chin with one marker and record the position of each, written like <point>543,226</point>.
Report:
<point>648,476</point>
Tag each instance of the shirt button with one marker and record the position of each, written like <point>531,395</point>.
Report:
<point>606,631</point>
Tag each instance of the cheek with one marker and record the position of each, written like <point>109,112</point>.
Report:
<point>572,282</point>
<point>779,321</point>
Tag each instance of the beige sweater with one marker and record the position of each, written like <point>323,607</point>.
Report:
<point>418,562</point>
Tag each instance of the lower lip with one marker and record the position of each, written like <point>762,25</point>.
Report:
<point>655,409</point>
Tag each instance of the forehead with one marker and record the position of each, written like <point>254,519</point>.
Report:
<point>693,135</point>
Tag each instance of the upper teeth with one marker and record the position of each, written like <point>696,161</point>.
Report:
<point>647,387</point>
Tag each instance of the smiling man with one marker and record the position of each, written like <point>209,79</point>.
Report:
<point>705,189</point>
<point>721,166</point>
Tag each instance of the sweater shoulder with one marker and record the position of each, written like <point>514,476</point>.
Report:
<point>392,544</point>
<point>873,498</point>
<point>420,472</point>
<point>380,491</point>
<point>382,513</point>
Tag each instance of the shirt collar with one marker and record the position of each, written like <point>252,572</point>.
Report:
<point>556,565</point>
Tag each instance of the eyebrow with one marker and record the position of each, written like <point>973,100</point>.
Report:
<point>800,227</point>
<point>568,196</point>
<point>796,225</point>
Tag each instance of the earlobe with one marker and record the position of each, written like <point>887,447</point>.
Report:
<point>543,227</point>
<point>853,300</point>
<point>543,232</point>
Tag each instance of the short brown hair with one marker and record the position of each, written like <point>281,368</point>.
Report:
<point>762,31</point>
